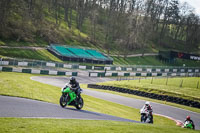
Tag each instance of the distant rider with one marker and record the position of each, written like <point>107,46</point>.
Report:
<point>190,121</point>
<point>148,108</point>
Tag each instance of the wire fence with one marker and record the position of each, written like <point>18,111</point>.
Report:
<point>165,81</point>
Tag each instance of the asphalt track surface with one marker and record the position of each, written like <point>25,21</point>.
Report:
<point>173,112</point>
<point>27,108</point>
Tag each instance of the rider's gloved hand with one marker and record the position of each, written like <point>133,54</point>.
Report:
<point>73,89</point>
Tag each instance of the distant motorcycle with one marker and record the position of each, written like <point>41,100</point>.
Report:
<point>188,124</point>
<point>146,116</point>
<point>69,97</point>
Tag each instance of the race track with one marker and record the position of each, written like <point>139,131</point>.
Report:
<point>176,113</point>
<point>27,108</point>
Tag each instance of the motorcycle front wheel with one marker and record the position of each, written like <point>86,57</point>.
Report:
<point>63,101</point>
<point>143,118</point>
<point>80,103</point>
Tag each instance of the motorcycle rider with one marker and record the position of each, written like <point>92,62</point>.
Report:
<point>148,108</point>
<point>75,86</point>
<point>190,121</point>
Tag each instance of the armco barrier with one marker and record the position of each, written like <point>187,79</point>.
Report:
<point>36,71</point>
<point>129,69</point>
<point>143,74</point>
<point>149,95</point>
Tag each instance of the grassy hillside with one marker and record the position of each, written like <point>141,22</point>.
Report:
<point>42,28</point>
<point>43,24</point>
<point>41,54</point>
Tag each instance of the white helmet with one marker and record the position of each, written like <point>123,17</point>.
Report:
<point>147,103</point>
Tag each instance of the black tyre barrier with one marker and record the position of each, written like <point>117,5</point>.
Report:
<point>149,95</point>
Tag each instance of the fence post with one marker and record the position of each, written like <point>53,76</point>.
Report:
<point>167,81</point>
<point>41,63</point>
<point>181,83</point>
<point>13,61</point>
<point>1,59</point>
<point>151,80</point>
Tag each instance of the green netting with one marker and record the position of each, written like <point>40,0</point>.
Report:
<point>96,54</point>
<point>62,50</point>
<point>80,52</point>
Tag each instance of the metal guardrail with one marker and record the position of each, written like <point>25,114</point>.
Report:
<point>142,74</point>
<point>58,65</point>
<point>38,71</point>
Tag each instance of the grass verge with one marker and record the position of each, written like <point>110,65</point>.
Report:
<point>20,125</point>
<point>179,87</point>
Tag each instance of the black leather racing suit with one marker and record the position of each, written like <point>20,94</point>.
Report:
<point>76,87</point>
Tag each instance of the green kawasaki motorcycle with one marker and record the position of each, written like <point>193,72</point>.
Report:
<point>187,124</point>
<point>69,97</point>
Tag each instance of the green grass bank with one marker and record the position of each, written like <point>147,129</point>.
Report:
<point>22,125</point>
<point>187,88</point>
